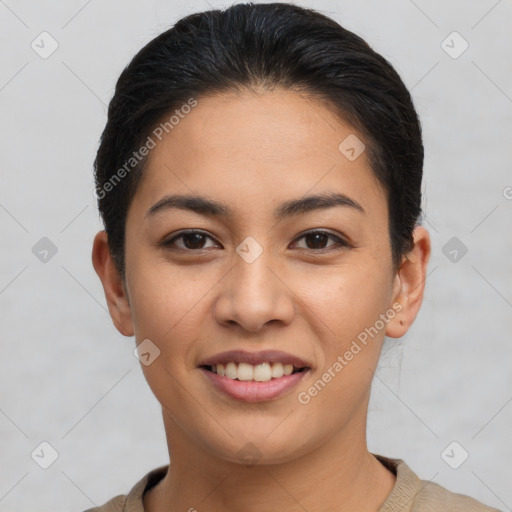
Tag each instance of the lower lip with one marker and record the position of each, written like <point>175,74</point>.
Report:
<point>253,391</point>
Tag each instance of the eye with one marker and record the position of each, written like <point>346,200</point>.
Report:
<point>193,240</point>
<point>317,240</point>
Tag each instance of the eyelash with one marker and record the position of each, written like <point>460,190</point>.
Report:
<point>340,243</point>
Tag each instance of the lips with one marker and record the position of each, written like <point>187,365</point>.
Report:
<point>255,358</point>
<point>254,376</point>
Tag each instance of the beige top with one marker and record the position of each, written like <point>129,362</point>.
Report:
<point>410,494</point>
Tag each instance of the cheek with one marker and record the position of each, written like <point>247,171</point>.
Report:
<point>167,308</point>
<point>363,299</point>
<point>160,297</point>
<point>350,303</point>
<point>346,299</point>
<point>170,305</point>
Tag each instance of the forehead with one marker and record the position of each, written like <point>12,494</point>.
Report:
<point>259,147</point>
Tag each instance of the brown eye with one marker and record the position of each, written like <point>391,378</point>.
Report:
<point>191,241</point>
<point>317,240</point>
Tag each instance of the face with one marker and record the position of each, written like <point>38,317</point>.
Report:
<point>308,284</point>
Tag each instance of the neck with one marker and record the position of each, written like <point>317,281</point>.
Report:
<point>339,475</point>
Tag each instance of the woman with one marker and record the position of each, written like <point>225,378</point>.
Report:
<point>259,179</point>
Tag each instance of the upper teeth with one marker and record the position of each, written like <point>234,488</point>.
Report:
<point>261,372</point>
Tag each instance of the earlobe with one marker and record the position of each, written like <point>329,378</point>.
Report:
<point>113,286</point>
<point>409,284</point>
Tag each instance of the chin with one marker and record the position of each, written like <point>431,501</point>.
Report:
<point>260,448</point>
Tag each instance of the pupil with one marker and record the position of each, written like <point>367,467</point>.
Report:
<point>316,237</point>
<point>196,240</point>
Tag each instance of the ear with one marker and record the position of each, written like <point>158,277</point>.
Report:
<point>409,284</point>
<point>113,285</point>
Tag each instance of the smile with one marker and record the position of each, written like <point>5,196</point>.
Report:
<point>263,372</point>
<point>254,377</point>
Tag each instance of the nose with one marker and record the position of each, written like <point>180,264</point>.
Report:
<point>254,294</point>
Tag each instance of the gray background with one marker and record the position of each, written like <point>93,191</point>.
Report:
<point>68,378</point>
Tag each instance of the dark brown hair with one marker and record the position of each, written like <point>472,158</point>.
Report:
<point>263,46</point>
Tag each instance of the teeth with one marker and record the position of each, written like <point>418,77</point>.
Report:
<point>261,372</point>
<point>245,371</point>
<point>231,371</point>
<point>277,370</point>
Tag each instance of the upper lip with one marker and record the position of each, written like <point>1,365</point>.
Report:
<point>254,358</point>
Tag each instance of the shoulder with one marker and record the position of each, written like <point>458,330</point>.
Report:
<point>133,501</point>
<point>116,504</point>
<point>434,495</point>
<point>410,494</point>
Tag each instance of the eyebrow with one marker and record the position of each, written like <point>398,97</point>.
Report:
<point>212,208</point>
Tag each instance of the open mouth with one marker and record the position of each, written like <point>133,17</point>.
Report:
<point>263,372</point>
